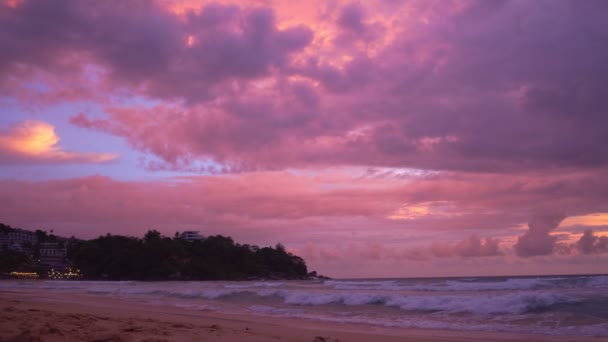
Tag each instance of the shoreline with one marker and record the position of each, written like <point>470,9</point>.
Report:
<point>50,316</point>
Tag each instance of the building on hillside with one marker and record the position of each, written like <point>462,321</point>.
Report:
<point>18,239</point>
<point>53,254</point>
<point>4,241</point>
<point>191,235</point>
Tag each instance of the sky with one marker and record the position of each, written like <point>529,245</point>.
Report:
<point>380,138</point>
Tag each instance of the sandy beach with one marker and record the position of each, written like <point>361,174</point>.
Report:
<point>47,316</point>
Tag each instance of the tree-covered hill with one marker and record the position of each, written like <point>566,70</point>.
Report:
<point>161,258</point>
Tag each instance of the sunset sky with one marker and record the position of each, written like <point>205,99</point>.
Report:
<point>374,138</point>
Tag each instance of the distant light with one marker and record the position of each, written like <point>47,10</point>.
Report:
<point>190,40</point>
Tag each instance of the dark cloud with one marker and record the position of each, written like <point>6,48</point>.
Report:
<point>500,87</point>
<point>351,18</point>
<point>144,46</point>
<point>591,244</point>
<point>537,241</point>
<point>472,246</point>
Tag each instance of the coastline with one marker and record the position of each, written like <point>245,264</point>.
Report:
<point>27,315</point>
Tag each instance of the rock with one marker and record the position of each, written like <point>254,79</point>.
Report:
<point>215,327</point>
<point>51,330</point>
<point>324,339</point>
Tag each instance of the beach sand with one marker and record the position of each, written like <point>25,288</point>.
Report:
<point>51,316</point>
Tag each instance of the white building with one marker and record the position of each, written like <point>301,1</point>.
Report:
<point>17,238</point>
<point>53,253</point>
<point>191,235</point>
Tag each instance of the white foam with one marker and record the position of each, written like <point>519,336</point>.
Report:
<point>509,304</point>
<point>598,282</point>
<point>512,303</point>
<point>262,284</point>
<point>423,322</point>
<point>283,312</point>
<point>477,284</point>
<point>496,303</point>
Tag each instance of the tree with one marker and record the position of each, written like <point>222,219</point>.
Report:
<point>152,236</point>
<point>12,260</point>
<point>41,236</point>
<point>4,228</point>
<point>157,258</point>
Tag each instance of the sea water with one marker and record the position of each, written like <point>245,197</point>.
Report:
<point>564,305</point>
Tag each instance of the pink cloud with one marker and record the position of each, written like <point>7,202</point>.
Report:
<point>421,98</point>
<point>485,207</point>
<point>190,202</point>
<point>537,241</point>
<point>472,246</point>
<point>330,217</point>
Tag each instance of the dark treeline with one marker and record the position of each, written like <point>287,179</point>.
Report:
<point>162,258</point>
<point>12,260</point>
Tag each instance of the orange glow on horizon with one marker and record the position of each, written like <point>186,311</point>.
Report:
<point>407,212</point>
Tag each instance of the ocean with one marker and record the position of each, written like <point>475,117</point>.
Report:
<point>564,305</point>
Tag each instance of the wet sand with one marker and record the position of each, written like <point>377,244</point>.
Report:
<point>51,316</point>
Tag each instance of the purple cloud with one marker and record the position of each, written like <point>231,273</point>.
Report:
<point>591,244</point>
<point>537,241</point>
